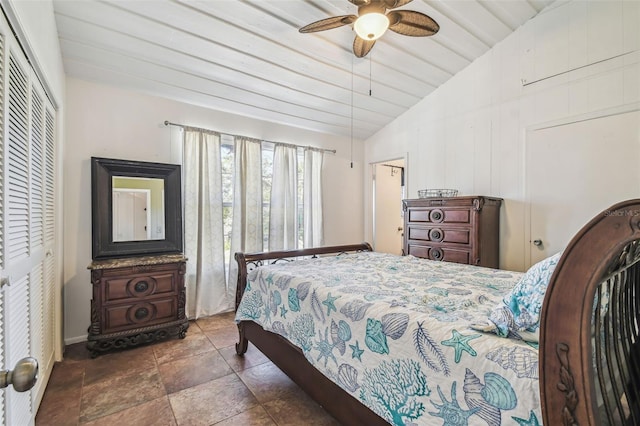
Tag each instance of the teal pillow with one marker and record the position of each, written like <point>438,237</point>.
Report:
<point>518,315</point>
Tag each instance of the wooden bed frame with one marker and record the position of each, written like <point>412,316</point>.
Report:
<point>589,364</point>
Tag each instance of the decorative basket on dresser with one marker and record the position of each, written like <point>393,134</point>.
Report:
<point>456,229</point>
<point>136,300</point>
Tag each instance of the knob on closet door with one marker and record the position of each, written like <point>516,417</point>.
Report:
<point>23,376</point>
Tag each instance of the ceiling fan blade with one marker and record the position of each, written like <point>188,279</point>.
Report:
<point>411,23</point>
<point>329,23</point>
<point>392,4</point>
<point>362,47</point>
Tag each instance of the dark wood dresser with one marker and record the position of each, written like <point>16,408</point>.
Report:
<point>136,300</point>
<point>457,229</point>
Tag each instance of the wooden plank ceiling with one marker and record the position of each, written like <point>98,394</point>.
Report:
<point>247,56</point>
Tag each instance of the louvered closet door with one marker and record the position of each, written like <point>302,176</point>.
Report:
<point>2,217</point>
<point>27,229</point>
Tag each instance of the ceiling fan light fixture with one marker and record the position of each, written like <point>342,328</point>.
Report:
<point>372,21</point>
<point>371,26</point>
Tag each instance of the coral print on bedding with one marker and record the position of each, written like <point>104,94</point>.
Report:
<point>394,332</point>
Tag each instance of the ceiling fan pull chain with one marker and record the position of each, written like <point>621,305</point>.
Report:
<point>352,59</point>
<point>370,56</point>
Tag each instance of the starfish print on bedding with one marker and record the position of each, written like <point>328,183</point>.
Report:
<point>356,351</point>
<point>461,343</point>
<point>329,303</point>
<point>532,421</point>
<point>283,311</point>
<point>269,279</point>
<point>325,348</point>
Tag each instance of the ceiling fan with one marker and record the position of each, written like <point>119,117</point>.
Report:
<point>373,20</point>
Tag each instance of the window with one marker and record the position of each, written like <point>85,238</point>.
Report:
<point>267,179</point>
<point>227,160</point>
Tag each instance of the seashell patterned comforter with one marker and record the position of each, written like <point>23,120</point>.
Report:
<point>394,332</point>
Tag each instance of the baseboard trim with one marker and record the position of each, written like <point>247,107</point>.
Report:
<point>72,340</point>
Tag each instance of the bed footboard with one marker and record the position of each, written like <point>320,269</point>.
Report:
<point>288,357</point>
<point>589,346</point>
<point>249,261</point>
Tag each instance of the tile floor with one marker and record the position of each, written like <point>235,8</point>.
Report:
<point>195,381</point>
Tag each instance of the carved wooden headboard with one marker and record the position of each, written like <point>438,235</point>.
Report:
<point>589,349</point>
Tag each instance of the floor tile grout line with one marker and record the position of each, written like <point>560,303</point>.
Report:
<point>166,393</point>
<point>84,376</point>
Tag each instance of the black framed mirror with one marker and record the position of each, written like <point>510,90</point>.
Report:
<point>136,208</point>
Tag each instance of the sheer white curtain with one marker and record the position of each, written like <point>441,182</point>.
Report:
<point>246,228</point>
<point>204,242</point>
<point>283,207</point>
<point>313,225</point>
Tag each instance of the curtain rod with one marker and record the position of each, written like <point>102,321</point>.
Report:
<point>332,151</point>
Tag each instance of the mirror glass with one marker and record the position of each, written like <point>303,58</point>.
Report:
<point>138,208</point>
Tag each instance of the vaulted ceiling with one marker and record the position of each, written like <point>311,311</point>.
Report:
<point>247,56</point>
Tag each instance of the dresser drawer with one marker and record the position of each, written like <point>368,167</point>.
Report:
<point>121,288</point>
<point>447,254</point>
<point>142,314</point>
<point>440,235</point>
<point>439,215</point>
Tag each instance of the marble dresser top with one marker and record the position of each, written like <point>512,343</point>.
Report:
<point>123,262</point>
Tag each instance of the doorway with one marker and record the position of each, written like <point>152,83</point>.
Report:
<point>389,183</point>
<point>131,214</point>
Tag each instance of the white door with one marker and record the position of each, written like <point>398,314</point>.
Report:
<point>388,187</point>
<point>575,171</point>
<point>27,237</point>
<point>131,214</point>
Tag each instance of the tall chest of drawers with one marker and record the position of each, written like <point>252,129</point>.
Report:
<point>136,300</point>
<point>457,229</point>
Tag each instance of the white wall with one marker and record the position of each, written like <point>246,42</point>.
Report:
<point>107,122</point>
<point>469,134</point>
<point>35,23</point>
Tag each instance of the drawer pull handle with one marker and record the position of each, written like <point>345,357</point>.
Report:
<point>141,286</point>
<point>437,254</point>
<point>436,215</point>
<point>436,235</point>
<point>141,313</point>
